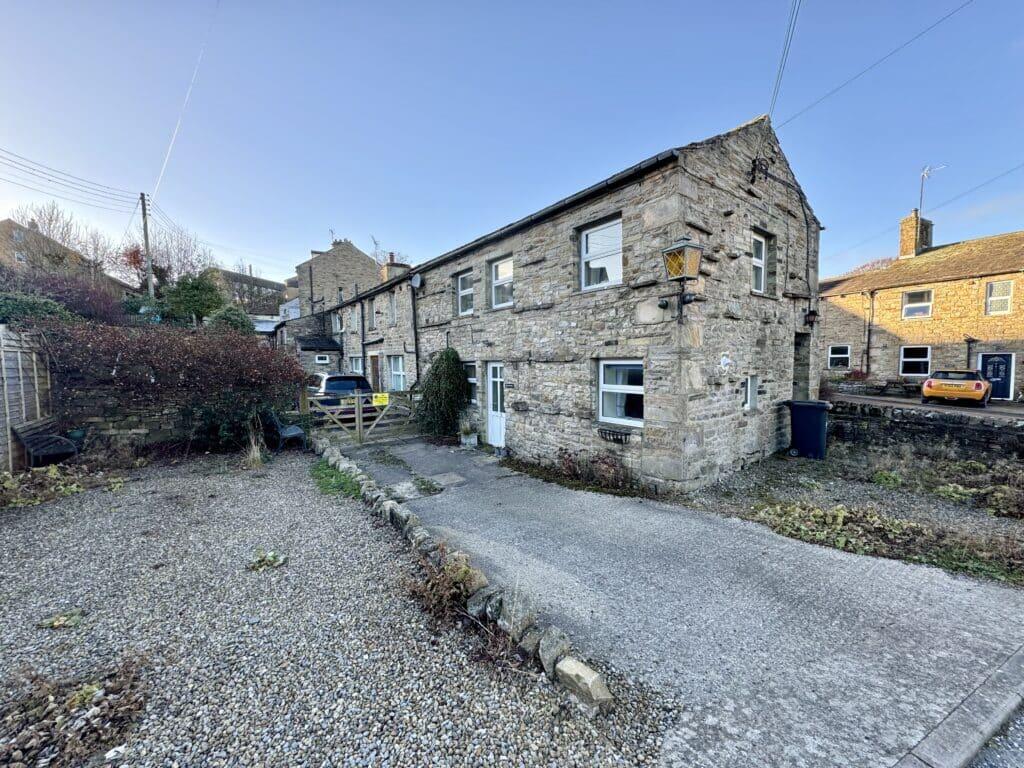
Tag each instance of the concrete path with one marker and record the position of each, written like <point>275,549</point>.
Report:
<point>783,653</point>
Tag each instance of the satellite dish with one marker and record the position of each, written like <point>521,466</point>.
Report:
<point>416,280</point>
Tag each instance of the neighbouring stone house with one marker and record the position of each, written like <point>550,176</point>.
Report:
<point>323,281</point>
<point>256,295</point>
<point>570,329</point>
<point>25,248</point>
<point>933,307</point>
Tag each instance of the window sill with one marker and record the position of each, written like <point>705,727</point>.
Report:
<point>601,287</point>
<point>633,429</point>
<point>763,295</point>
<point>502,308</point>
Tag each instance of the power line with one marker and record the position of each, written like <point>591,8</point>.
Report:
<point>943,204</point>
<point>874,64</point>
<point>20,168</point>
<point>184,106</point>
<point>64,197</point>
<point>124,237</point>
<point>63,173</point>
<point>794,11</point>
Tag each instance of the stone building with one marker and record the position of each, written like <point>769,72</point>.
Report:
<point>947,306</point>
<point>571,332</point>
<point>255,294</point>
<point>329,277</point>
<point>323,281</point>
<point>24,249</point>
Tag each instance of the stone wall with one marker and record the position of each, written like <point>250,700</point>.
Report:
<point>390,334</point>
<point>110,419</point>
<point>891,426</point>
<point>958,311</point>
<point>344,266</point>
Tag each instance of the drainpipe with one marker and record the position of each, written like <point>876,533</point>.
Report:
<point>970,343</point>
<point>415,333</point>
<point>362,331</point>
<point>867,332</point>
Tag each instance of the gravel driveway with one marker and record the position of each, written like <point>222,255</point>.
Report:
<point>325,661</point>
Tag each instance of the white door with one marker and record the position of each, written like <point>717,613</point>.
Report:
<point>496,404</point>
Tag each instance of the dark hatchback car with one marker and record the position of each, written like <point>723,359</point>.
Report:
<point>323,385</point>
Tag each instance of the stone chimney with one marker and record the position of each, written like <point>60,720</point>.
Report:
<point>915,235</point>
<point>392,268</point>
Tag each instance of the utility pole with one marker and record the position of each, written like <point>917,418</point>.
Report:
<point>145,240</point>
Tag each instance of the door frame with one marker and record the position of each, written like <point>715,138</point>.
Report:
<point>374,357</point>
<point>1013,371</point>
<point>490,403</point>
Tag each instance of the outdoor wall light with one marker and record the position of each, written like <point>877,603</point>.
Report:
<point>682,263</point>
<point>811,317</point>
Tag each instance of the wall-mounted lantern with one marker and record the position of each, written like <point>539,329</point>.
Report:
<point>811,317</point>
<point>682,263</point>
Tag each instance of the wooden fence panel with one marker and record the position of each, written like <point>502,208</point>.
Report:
<point>25,389</point>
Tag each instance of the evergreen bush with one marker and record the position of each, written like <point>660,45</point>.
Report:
<point>23,307</point>
<point>232,318</point>
<point>445,395</point>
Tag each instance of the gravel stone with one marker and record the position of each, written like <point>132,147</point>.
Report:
<point>342,667</point>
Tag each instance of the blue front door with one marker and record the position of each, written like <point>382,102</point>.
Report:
<point>997,367</point>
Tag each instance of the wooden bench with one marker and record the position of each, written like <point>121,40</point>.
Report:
<point>42,442</point>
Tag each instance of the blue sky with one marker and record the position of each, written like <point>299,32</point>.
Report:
<point>428,124</point>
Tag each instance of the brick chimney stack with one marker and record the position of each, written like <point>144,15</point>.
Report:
<point>915,235</point>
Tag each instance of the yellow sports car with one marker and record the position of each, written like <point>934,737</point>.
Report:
<point>961,384</point>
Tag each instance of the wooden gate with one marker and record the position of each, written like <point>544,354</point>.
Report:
<point>363,418</point>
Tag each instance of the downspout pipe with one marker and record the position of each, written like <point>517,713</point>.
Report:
<point>867,332</point>
<point>415,333</point>
<point>362,333</point>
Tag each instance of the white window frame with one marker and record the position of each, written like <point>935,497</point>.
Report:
<point>750,385</point>
<point>832,354</point>
<point>628,389</point>
<point>321,359</point>
<point>336,325</point>
<point>461,291</point>
<point>495,283</point>
<point>908,305</point>
<point>759,262</point>
<point>989,298</point>
<point>927,359</point>
<point>472,380</point>
<point>392,373</point>
<point>587,256</point>
<point>355,364</point>
<point>21,257</point>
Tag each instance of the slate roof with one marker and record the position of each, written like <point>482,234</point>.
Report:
<point>317,342</point>
<point>995,255</point>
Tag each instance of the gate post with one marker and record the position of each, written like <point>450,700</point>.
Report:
<point>359,419</point>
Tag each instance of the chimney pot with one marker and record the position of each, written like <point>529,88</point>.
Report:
<point>391,257</point>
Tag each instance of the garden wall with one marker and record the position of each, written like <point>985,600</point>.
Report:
<point>926,431</point>
<point>110,417</point>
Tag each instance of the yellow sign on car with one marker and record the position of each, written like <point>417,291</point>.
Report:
<point>381,398</point>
